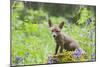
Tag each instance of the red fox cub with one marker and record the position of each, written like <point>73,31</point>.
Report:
<point>63,41</point>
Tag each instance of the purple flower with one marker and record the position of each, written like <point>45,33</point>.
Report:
<point>93,57</point>
<point>77,52</point>
<point>50,60</point>
<point>55,60</point>
<point>93,60</point>
<point>18,59</point>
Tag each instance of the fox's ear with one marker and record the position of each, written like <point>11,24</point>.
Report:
<point>50,23</point>
<point>61,25</point>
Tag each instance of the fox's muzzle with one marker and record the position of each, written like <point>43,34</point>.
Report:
<point>54,34</point>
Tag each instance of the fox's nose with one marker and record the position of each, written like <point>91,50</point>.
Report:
<point>54,35</point>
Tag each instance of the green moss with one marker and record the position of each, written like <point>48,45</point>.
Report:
<point>68,57</point>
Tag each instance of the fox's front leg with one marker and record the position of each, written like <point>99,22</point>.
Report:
<point>56,50</point>
<point>61,48</point>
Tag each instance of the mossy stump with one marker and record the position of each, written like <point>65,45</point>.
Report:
<point>67,57</point>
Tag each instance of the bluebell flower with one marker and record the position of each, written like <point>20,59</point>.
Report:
<point>93,57</point>
<point>93,60</point>
<point>50,60</point>
<point>77,53</point>
<point>55,60</point>
<point>18,59</point>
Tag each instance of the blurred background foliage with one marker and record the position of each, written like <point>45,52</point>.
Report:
<point>32,41</point>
